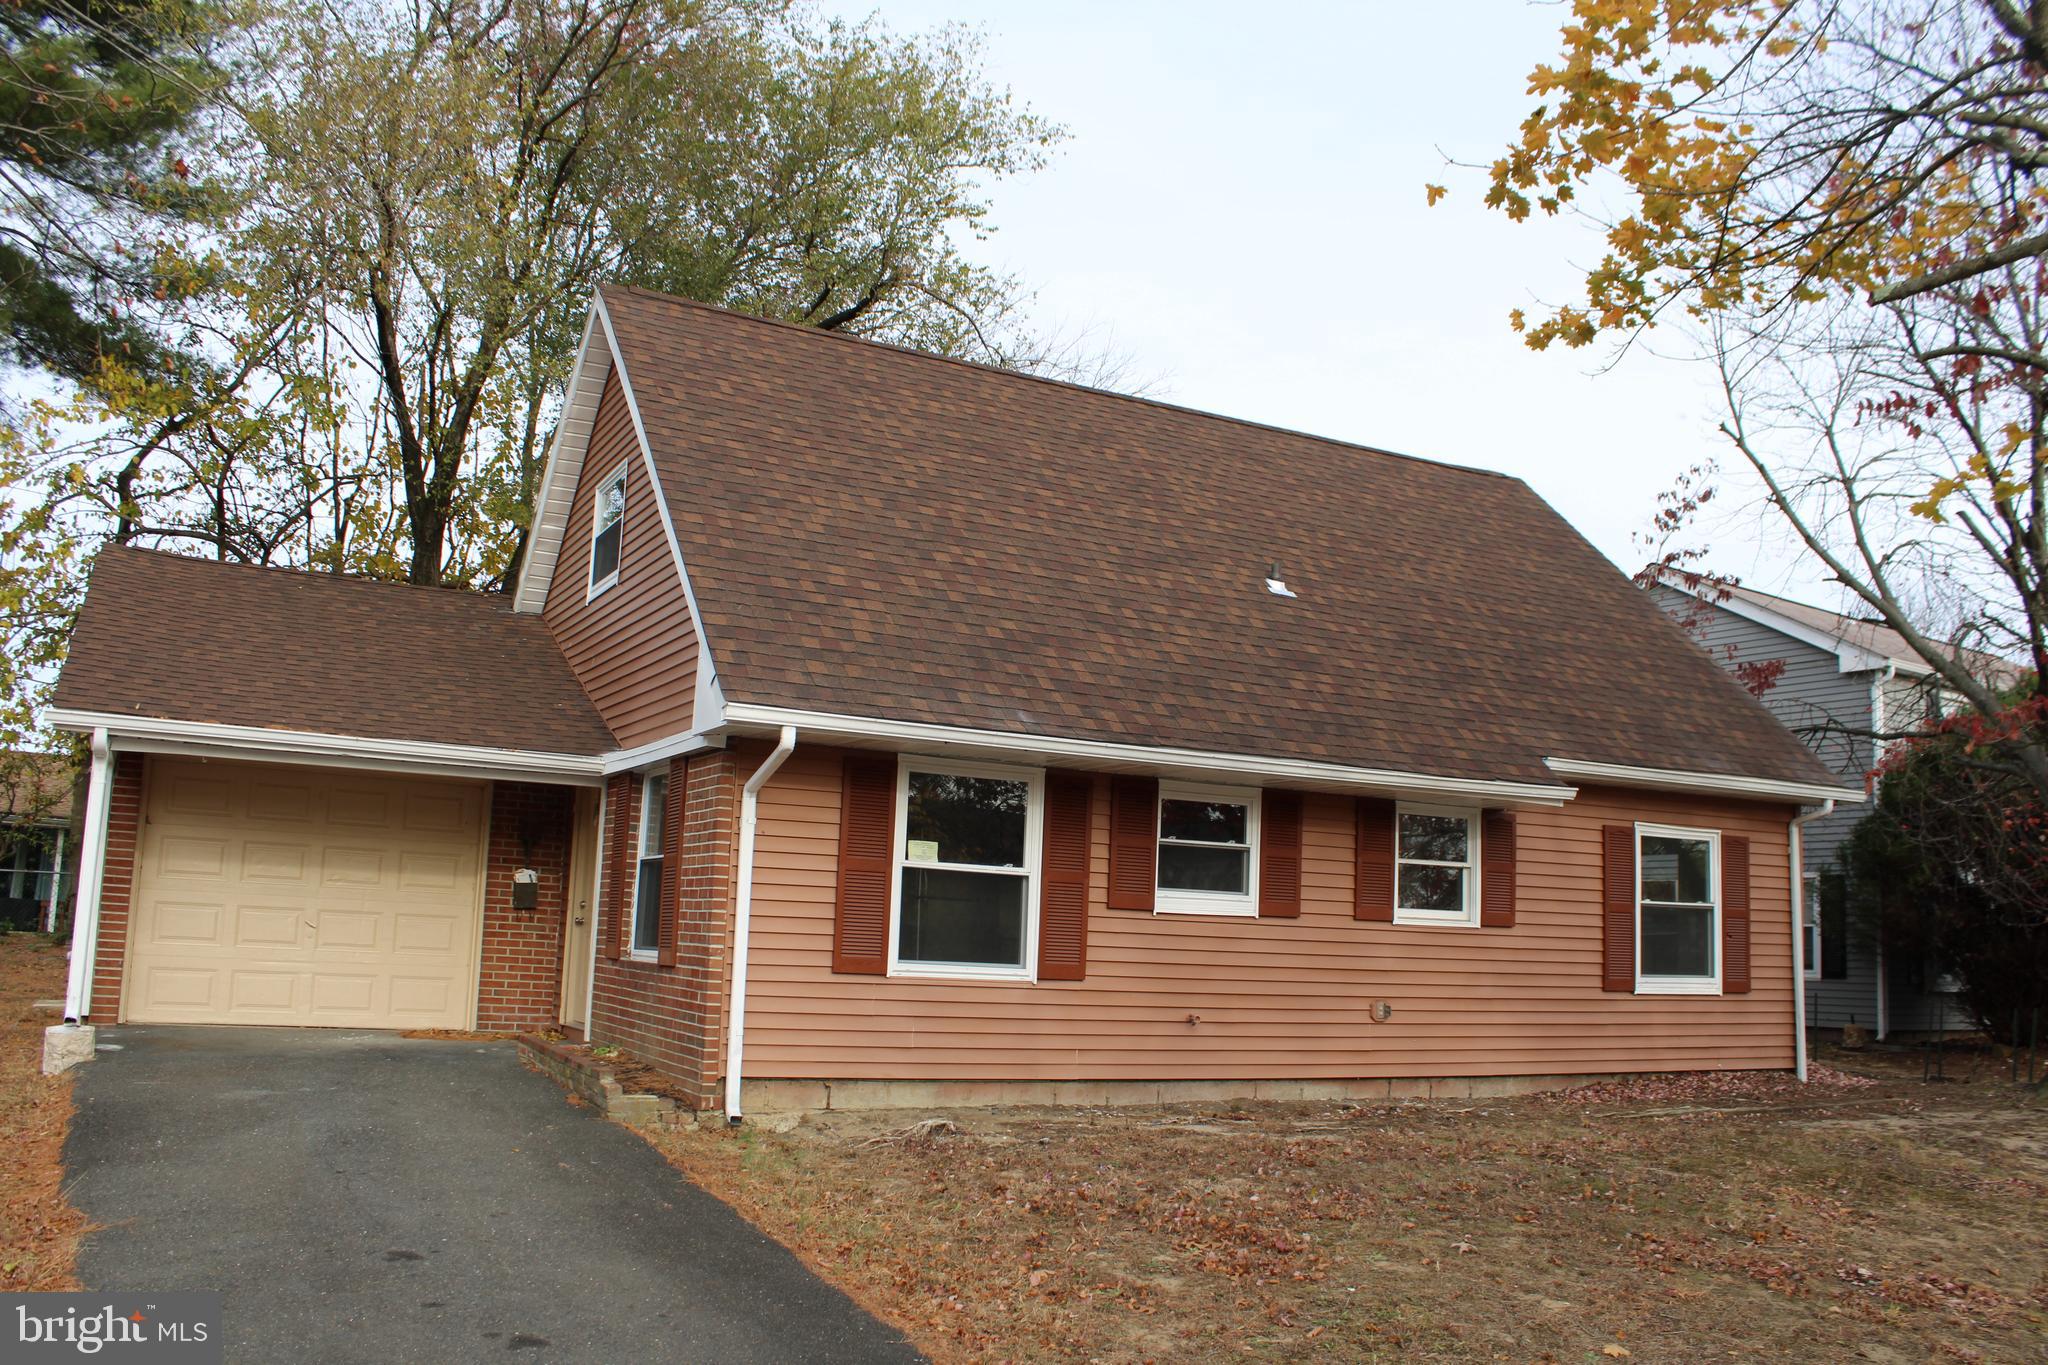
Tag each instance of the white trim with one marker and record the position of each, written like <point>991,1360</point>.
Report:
<point>92,861</point>
<point>1232,904</point>
<point>633,950</point>
<point>659,750</point>
<point>1001,746</point>
<point>1797,832</point>
<point>707,705</point>
<point>1026,971</point>
<point>559,477</point>
<point>1719,784</point>
<point>1849,658</point>
<point>1680,985</point>
<point>1810,963</point>
<point>1467,918</point>
<point>594,588</point>
<point>743,920</point>
<point>200,739</point>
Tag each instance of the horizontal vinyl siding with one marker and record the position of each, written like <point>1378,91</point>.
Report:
<point>1280,999</point>
<point>634,649</point>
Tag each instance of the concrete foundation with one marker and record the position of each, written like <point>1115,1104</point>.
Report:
<point>66,1045</point>
<point>766,1097</point>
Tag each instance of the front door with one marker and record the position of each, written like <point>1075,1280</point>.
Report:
<point>581,902</point>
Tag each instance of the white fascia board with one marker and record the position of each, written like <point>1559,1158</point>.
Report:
<point>660,750</point>
<point>707,702</point>
<point>1712,784</point>
<point>249,743</point>
<point>564,467</point>
<point>1848,658</point>
<point>820,727</point>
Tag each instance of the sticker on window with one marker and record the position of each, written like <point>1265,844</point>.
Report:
<point>921,850</point>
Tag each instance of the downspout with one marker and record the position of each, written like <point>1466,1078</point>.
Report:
<point>92,859</point>
<point>1877,682</point>
<point>743,916</point>
<point>1798,828</point>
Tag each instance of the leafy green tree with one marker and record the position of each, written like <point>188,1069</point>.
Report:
<point>95,95</point>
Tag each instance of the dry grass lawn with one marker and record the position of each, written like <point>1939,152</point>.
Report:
<point>1665,1219</point>
<point>39,1229</point>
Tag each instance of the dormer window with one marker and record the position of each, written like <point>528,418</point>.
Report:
<point>607,527</point>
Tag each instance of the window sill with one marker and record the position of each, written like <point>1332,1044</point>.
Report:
<point>1226,907</point>
<point>1425,920</point>
<point>648,955</point>
<point>597,590</point>
<point>1676,986</point>
<point>962,971</point>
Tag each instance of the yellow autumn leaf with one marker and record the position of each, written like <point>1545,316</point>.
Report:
<point>1434,193</point>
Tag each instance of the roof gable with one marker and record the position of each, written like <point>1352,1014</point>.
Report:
<point>875,532</point>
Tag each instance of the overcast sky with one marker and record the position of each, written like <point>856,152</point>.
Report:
<point>1241,208</point>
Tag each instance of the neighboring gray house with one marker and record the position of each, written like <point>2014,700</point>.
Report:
<point>1843,680</point>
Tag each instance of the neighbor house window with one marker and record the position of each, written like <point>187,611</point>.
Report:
<point>1809,927</point>
<point>1207,837</point>
<point>647,881</point>
<point>964,896</point>
<point>1678,910</point>
<point>606,527</point>
<point>1436,860</point>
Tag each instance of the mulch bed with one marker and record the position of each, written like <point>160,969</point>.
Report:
<point>39,1229</point>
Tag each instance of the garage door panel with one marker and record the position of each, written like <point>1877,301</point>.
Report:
<point>295,896</point>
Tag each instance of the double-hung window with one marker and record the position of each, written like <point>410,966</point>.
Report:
<point>1436,866</point>
<point>1809,927</point>
<point>1208,841</point>
<point>647,881</point>
<point>607,527</point>
<point>1678,911</point>
<point>964,899</point>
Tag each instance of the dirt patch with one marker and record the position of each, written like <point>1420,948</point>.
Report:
<point>39,1230</point>
<point>459,1035</point>
<point>1666,1217</point>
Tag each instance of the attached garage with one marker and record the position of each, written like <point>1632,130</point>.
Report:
<point>268,894</point>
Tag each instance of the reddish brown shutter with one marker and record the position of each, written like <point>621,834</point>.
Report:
<point>867,850</point>
<point>618,862</point>
<point>1133,842</point>
<point>1063,877</point>
<point>1280,856</point>
<point>1497,870</point>
<point>1375,858</point>
<point>1734,914</point>
<point>672,858</point>
<point>1618,908</point>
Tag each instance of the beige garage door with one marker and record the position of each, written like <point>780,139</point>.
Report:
<point>274,895</point>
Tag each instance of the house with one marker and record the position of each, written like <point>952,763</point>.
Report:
<point>35,813</point>
<point>867,727</point>
<point>1839,683</point>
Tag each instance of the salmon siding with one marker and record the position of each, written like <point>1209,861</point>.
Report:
<point>1271,997</point>
<point>632,645</point>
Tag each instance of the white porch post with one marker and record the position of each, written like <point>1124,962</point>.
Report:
<point>92,860</point>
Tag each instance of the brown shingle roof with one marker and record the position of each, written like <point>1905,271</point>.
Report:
<point>174,638</point>
<point>1877,637</point>
<point>879,533</point>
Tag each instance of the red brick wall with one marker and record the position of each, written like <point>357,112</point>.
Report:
<point>117,885</point>
<point>520,978</point>
<point>673,1018</point>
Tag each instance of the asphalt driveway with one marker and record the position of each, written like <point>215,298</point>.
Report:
<point>366,1197</point>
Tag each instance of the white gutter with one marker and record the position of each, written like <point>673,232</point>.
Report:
<point>149,734</point>
<point>1718,784</point>
<point>1798,831</point>
<point>743,915</point>
<point>92,861</point>
<point>655,751</point>
<point>825,727</point>
<point>1877,726</point>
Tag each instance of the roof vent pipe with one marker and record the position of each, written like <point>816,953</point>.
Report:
<point>1275,584</point>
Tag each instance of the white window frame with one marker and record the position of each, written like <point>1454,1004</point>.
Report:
<point>1173,901</point>
<point>1810,935</point>
<point>1680,985</point>
<point>1468,917</point>
<point>1034,824</point>
<point>639,856</point>
<point>597,587</point>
